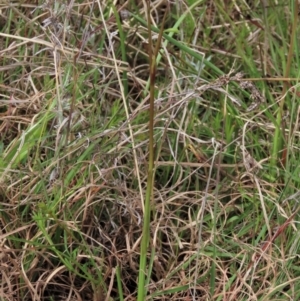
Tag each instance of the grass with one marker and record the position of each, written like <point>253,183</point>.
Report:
<point>81,216</point>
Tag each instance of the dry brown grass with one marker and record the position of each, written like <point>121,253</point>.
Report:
<point>74,162</point>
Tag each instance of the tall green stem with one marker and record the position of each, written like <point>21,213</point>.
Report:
<point>146,225</point>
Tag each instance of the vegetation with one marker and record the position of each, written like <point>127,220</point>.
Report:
<point>149,150</point>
